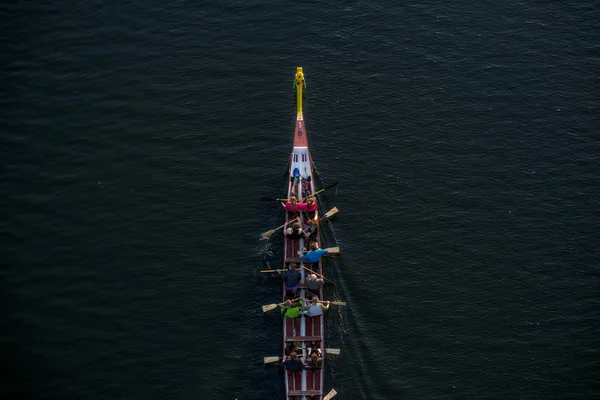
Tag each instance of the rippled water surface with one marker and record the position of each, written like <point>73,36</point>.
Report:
<point>138,136</point>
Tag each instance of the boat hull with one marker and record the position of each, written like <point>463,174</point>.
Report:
<point>307,332</point>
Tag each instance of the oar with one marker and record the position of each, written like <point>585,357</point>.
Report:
<point>330,395</point>
<point>272,270</point>
<point>324,189</point>
<point>333,251</point>
<point>316,273</point>
<point>268,233</point>
<point>268,360</point>
<point>269,307</point>
<point>336,303</point>
<point>329,214</point>
<point>267,198</point>
<point>311,228</point>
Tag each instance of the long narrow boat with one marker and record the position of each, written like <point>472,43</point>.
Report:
<point>303,332</point>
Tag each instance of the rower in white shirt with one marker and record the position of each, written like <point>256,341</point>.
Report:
<point>316,308</point>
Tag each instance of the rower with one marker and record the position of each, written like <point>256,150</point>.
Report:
<point>306,186</point>
<point>291,206</point>
<point>291,348</point>
<point>313,285</point>
<point>314,361</point>
<point>295,231</point>
<point>310,206</point>
<point>291,278</point>
<point>294,363</point>
<point>316,308</point>
<point>314,255</point>
<point>310,229</point>
<point>292,310</point>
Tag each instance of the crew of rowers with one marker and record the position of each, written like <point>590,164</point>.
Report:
<point>307,205</point>
<point>293,360</point>
<point>294,307</point>
<point>298,227</point>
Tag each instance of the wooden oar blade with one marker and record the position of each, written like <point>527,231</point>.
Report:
<point>331,212</point>
<point>267,234</point>
<point>332,354</point>
<point>268,360</point>
<point>338,303</point>
<point>269,307</point>
<point>333,251</point>
<point>330,395</point>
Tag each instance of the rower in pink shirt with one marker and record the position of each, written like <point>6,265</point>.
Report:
<point>291,206</point>
<point>310,205</point>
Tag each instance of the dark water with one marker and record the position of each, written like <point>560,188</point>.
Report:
<point>138,136</point>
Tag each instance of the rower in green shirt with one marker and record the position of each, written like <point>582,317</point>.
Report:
<point>291,310</point>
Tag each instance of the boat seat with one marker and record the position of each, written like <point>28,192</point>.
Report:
<point>303,338</point>
<point>304,392</point>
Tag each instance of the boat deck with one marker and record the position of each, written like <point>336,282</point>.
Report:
<point>306,332</point>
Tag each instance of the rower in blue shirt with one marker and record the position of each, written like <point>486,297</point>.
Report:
<point>314,255</point>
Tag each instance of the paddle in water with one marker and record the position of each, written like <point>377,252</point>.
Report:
<point>268,233</point>
<point>333,251</point>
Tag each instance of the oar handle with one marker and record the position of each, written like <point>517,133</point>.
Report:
<point>293,300</point>
<point>322,218</point>
<point>287,223</point>
<point>316,273</point>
